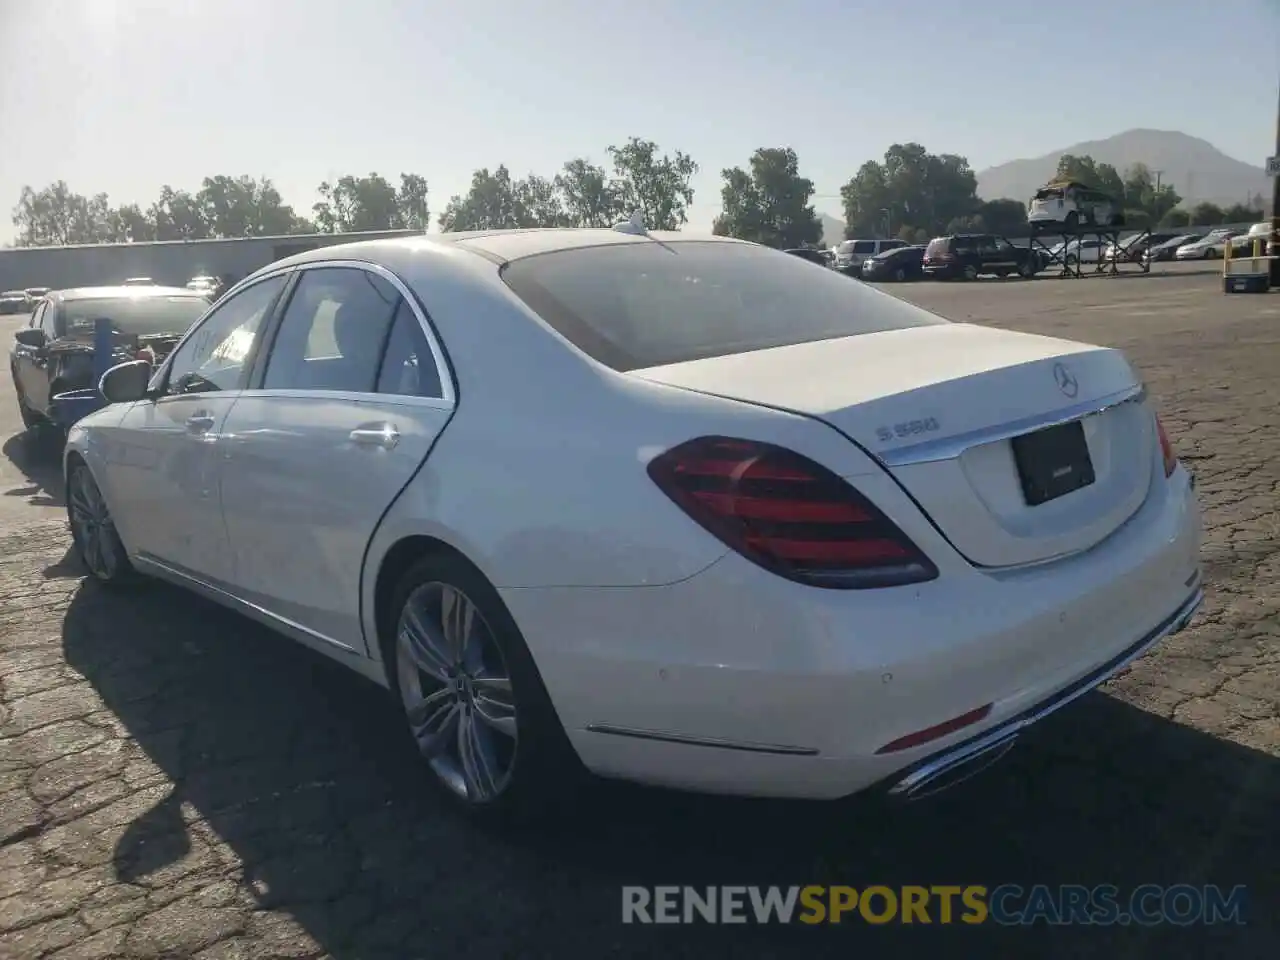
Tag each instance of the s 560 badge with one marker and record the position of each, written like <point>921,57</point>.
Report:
<point>911,428</point>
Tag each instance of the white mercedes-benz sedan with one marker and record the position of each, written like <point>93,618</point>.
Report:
<point>685,511</point>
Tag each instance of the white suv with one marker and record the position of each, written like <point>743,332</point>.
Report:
<point>1069,205</point>
<point>851,253</point>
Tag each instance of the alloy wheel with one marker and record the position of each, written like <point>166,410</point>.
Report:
<point>456,690</point>
<point>91,525</point>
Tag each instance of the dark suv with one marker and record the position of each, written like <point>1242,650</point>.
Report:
<point>968,255</point>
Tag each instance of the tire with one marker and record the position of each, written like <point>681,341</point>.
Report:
<point>900,274</point>
<point>531,769</point>
<point>970,272</point>
<point>1210,254</point>
<point>30,419</point>
<point>1027,270</point>
<point>1002,274</point>
<point>93,532</point>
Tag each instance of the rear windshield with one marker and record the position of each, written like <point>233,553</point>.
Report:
<point>139,316</point>
<point>938,247</point>
<point>638,305</point>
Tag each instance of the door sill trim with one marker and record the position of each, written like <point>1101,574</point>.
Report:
<point>229,599</point>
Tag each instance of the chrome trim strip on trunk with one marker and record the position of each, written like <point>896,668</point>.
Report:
<point>948,448</point>
<point>917,777</point>
<point>748,746</point>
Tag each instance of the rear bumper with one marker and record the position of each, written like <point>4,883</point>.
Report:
<point>735,681</point>
<point>961,761</point>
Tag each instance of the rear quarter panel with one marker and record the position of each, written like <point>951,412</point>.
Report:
<point>540,477</point>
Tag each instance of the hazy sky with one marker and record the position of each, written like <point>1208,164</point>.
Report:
<point>125,95</point>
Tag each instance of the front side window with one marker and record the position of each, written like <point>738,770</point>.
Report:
<point>217,354</point>
<point>49,321</point>
<point>333,331</point>
<point>639,305</point>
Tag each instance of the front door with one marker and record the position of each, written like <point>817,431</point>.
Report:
<point>165,455</point>
<point>34,367</point>
<point>349,405</point>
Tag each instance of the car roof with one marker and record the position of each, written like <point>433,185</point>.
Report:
<point>497,246</point>
<point>123,293</point>
<point>13,293</point>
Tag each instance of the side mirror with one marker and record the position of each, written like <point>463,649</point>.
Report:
<point>31,337</point>
<point>126,382</point>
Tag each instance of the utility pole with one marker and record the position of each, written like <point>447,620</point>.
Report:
<point>1274,246</point>
<point>1156,200</point>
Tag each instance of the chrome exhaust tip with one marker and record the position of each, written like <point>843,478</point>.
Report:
<point>947,772</point>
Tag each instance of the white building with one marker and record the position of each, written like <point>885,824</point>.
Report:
<point>166,262</point>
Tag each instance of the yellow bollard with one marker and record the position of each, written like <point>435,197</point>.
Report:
<point>1226,258</point>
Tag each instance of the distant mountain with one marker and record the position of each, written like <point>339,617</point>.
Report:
<point>1197,169</point>
<point>832,229</point>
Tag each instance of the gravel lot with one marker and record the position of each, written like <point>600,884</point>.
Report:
<point>175,782</point>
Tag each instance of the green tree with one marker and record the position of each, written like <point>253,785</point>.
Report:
<point>1206,215</point>
<point>352,204</point>
<point>132,225</point>
<point>911,187</point>
<point>538,203</point>
<point>769,204</point>
<point>656,186</point>
<point>1083,169</point>
<point>58,215</point>
<point>497,202</point>
<point>245,207</point>
<point>1140,193</point>
<point>866,198</point>
<point>1005,217</point>
<point>588,197</point>
<point>178,215</point>
<point>1239,213</point>
<point>412,208</point>
<point>1176,219</point>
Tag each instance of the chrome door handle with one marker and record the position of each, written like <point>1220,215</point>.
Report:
<point>383,435</point>
<point>199,423</point>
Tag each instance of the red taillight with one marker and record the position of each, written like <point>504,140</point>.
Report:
<point>1166,450</point>
<point>788,514</point>
<point>937,731</point>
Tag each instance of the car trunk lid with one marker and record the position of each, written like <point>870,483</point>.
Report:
<point>941,407</point>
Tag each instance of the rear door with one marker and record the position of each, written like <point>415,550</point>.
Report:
<point>344,411</point>
<point>37,381</point>
<point>863,249</point>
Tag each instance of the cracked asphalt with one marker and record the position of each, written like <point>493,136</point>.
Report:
<point>177,782</point>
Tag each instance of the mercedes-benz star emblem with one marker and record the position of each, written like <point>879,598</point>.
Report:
<point>1065,379</point>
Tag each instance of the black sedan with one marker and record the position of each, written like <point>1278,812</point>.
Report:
<point>53,354</point>
<point>1166,250</point>
<point>15,301</point>
<point>821,257</point>
<point>904,263</point>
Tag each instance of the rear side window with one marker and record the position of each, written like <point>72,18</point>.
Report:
<point>636,305</point>
<point>864,246</point>
<point>408,367</point>
<point>938,247</point>
<point>332,332</point>
<point>892,244</point>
